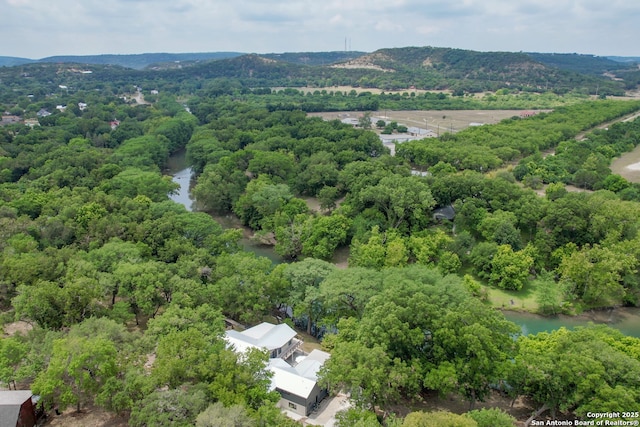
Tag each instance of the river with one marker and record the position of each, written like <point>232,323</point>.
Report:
<point>627,320</point>
<point>182,175</point>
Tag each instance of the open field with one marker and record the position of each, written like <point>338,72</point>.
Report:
<point>522,300</point>
<point>436,120</point>
<point>628,165</point>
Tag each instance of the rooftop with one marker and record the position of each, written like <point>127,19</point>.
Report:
<point>264,335</point>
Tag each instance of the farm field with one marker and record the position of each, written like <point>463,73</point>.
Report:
<point>445,120</point>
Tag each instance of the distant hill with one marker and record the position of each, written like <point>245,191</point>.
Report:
<point>585,64</point>
<point>625,58</point>
<point>139,61</point>
<point>475,71</point>
<point>314,58</point>
<point>428,68</point>
<point>11,61</point>
<point>169,60</point>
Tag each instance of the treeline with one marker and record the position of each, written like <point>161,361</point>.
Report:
<point>585,162</point>
<point>484,148</point>
<point>337,100</point>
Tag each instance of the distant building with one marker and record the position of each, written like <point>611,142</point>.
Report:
<point>82,106</point>
<point>351,121</point>
<point>17,408</point>
<point>10,119</point>
<point>421,132</point>
<point>43,113</point>
<point>114,124</point>
<point>32,122</point>
<point>398,138</point>
<point>524,114</point>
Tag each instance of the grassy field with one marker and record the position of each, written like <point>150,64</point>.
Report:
<point>522,300</point>
<point>435,120</point>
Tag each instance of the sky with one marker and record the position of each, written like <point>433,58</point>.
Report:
<point>40,28</point>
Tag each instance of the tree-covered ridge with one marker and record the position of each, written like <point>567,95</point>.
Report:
<point>584,64</point>
<point>314,58</point>
<point>425,68</point>
<point>133,61</point>
<point>472,71</point>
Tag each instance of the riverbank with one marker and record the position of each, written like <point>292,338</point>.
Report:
<point>624,319</point>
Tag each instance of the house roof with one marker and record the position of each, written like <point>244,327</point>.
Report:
<point>264,335</point>
<point>445,212</point>
<point>301,379</point>
<point>311,364</point>
<point>10,403</point>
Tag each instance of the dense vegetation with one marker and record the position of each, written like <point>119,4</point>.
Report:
<point>428,68</point>
<point>126,291</point>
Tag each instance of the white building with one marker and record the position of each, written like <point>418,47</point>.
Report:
<point>297,382</point>
<point>278,339</point>
<point>298,385</point>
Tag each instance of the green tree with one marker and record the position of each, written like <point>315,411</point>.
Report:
<point>354,417</point>
<point>12,353</point>
<point>492,417</point>
<point>217,415</point>
<point>594,274</point>
<point>175,408</point>
<point>305,276</point>
<point>570,370</point>
<point>548,295</point>
<point>437,419</point>
<point>404,200</point>
<point>509,269</point>
<point>77,370</point>
<point>326,233</point>
<point>364,121</point>
<point>368,373</point>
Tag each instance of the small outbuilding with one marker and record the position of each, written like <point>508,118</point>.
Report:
<point>445,212</point>
<point>17,408</point>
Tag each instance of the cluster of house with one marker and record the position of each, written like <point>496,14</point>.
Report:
<point>9,119</point>
<point>295,373</point>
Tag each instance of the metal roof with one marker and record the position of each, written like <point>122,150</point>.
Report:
<point>264,335</point>
<point>301,379</point>
<point>286,378</point>
<point>10,403</point>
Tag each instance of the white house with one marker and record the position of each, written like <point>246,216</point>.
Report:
<point>278,339</point>
<point>297,382</point>
<point>298,385</point>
